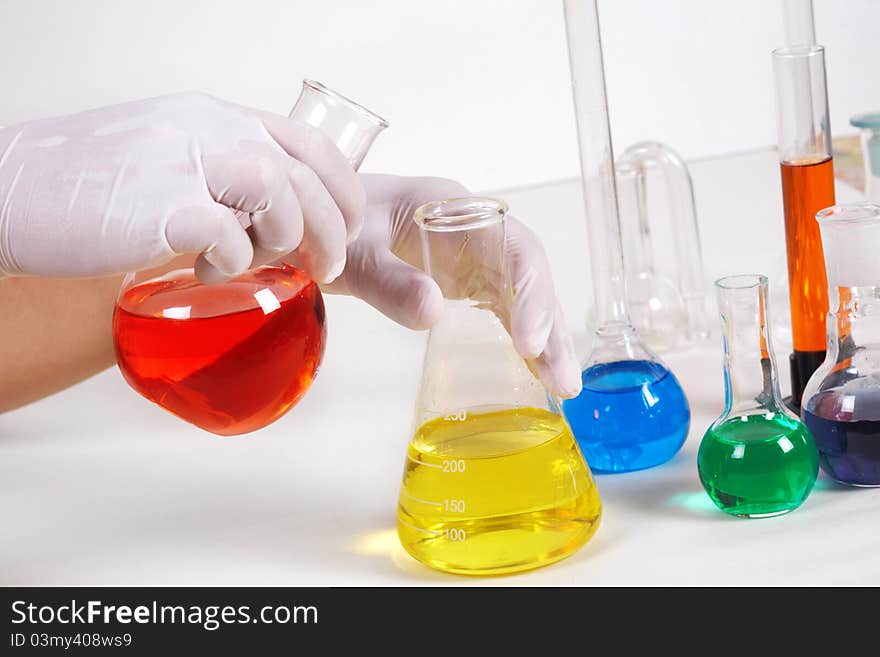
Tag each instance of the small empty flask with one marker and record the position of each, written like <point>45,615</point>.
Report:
<point>493,481</point>
<point>757,460</point>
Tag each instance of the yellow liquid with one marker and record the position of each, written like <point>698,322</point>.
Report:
<point>495,493</point>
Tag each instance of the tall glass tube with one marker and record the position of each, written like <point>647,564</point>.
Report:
<point>632,412</point>
<point>800,28</point>
<point>597,162</point>
<point>807,170</point>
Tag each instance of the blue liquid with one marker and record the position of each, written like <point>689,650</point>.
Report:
<point>631,415</point>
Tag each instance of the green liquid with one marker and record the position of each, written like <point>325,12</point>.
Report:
<point>758,465</point>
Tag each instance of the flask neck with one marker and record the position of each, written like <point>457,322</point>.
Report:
<point>853,316</point>
<point>618,341</point>
<point>349,125</point>
<point>750,380</point>
<point>597,161</point>
<point>856,301</point>
<point>463,249</point>
<point>851,243</point>
<point>470,362</point>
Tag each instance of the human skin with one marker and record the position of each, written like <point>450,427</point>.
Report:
<point>55,332</point>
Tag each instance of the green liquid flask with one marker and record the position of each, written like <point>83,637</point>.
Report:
<point>756,460</point>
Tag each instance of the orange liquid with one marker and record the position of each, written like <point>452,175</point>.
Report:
<point>807,187</point>
<point>229,358</point>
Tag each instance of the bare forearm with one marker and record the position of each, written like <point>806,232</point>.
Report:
<point>55,333</point>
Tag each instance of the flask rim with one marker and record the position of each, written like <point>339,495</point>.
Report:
<point>321,88</point>
<point>848,214</point>
<point>799,52</point>
<point>741,282</point>
<point>460,214</point>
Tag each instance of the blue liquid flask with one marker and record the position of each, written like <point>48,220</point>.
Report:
<point>632,413</point>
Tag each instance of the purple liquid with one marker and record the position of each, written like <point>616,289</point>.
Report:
<point>847,434</point>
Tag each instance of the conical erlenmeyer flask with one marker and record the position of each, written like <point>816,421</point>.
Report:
<point>235,357</point>
<point>841,402</point>
<point>632,413</point>
<point>756,460</point>
<point>494,481</point>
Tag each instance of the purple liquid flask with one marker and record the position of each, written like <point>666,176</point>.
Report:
<point>841,402</point>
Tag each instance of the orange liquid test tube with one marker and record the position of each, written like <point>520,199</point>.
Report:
<point>807,171</point>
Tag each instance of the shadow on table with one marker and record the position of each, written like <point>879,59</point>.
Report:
<point>670,489</point>
<point>388,555</point>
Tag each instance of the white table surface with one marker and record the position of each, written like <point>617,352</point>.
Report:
<point>97,486</point>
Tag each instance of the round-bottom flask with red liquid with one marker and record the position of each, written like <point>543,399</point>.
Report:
<point>229,358</point>
<point>235,357</point>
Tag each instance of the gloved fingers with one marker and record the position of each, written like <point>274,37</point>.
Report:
<point>263,256</point>
<point>314,149</point>
<point>215,233</point>
<point>557,366</point>
<point>533,310</point>
<point>399,291</point>
<point>322,251</point>
<point>257,181</point>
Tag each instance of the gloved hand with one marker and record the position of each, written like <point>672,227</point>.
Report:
<point>131,186</point>
<point>384,268</point>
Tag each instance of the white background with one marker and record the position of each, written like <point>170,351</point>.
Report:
<point>475,89</point>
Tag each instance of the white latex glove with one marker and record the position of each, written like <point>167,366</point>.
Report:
<point>131,186</point>
<point>384,268</point>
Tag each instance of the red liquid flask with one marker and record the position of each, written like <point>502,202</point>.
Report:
<point>235,357</point>
<point>228,358</point>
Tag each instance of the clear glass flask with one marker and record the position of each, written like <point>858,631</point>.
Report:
<point>662,256</point>
<point>233,358</point>
<point>757,459</point>
<point>494,481</point>
<point>632,413</point>
<point>869,125</point>
<point>807,172</point>
<point>842,399</point>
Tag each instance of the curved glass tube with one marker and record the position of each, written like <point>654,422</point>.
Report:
<point>661,240</point>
